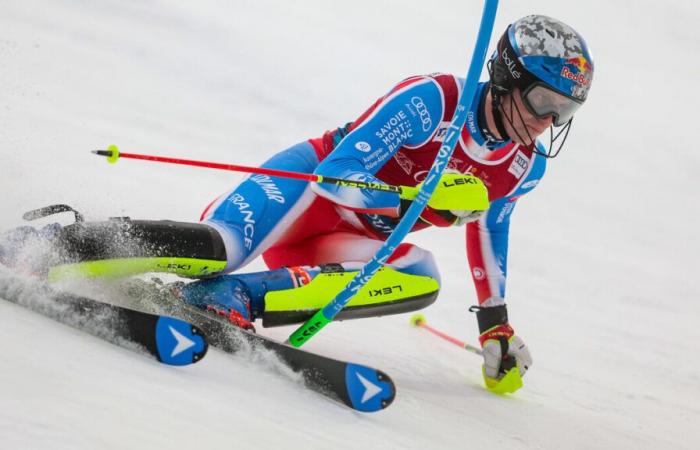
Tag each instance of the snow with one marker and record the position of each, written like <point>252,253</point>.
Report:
<point>602,254</point>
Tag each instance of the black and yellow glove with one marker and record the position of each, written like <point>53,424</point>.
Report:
<point>457,199</point>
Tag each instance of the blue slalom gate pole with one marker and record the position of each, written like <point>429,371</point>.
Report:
<point>325,315</point>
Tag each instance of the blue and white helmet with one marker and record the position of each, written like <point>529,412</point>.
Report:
<point>548,61</point>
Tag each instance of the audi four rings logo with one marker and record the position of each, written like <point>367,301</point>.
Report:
<point>422,112</point>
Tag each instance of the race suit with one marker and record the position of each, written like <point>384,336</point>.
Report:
<point>294,223</point>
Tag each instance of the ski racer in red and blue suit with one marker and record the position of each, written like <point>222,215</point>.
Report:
<point>539,76</point>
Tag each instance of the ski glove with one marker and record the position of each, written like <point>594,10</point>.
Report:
<point>502,349</point>
<point>449,218</point>
<point>458,199</point>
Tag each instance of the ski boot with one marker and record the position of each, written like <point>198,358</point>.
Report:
<point>241,297</point>
<point>28,250</point>
<point>293,294</point>
<point>224,295</point>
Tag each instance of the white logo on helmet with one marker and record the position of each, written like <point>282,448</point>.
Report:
<point>510,64</point>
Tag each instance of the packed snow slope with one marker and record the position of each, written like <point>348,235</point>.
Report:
<point>602,282</point>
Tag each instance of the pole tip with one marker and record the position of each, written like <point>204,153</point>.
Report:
<point>417,320</point>
<point>112,153</point>
<point>115,154</point>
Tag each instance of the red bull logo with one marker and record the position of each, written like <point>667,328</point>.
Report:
<point>581,73</point>
<point>580,63</point>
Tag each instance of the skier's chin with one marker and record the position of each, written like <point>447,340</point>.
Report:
<point>523,142</point>
<point>526,138</point>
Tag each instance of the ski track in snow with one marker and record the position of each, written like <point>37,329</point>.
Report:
<point>600,283</point>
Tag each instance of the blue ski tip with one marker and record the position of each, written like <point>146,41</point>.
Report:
<point>369,389</point>
<point>178,342</point>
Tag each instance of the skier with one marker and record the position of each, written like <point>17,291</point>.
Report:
<point>313,237</point>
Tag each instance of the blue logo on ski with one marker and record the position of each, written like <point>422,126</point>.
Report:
<point>178,342</point>
<point>369,389</point>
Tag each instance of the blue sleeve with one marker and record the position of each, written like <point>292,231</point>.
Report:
<point>487,239</point>
<point>407,116</point>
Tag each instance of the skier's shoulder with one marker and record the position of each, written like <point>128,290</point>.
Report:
<point>534,169</point>
<point>425,99</point>
<point>442,84</point>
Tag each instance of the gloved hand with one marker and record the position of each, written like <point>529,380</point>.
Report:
<point>448,218</point>
<point>502,349</point>
<point>457,199</point>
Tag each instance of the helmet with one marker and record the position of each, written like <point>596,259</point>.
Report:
<point>550,64</point>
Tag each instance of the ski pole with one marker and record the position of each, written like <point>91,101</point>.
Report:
<point>470,194</point>
<point>326,315</point>
<point>418,320</point>
<point>405,192</point>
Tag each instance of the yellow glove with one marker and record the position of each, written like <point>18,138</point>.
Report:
<point>454,192</point>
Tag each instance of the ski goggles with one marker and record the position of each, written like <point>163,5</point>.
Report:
<point>543,102</point>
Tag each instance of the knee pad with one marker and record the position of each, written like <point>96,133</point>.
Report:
<point>388,292</point>
<point>411,259</point>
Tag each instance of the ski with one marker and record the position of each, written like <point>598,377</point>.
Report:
<point>168,340</point>
<point>182,340</point>
<point>357,386</point>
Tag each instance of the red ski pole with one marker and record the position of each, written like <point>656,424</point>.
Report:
<point>406,192</point>
<point>418,320</point>
<point>464,193</point>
